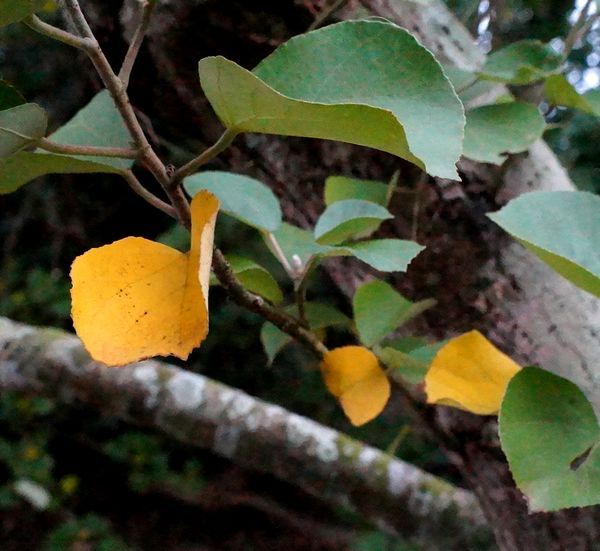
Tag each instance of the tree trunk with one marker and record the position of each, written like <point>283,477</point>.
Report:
<point>478,275</point>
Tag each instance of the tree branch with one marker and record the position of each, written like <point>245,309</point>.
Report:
<point>136,186</point>
<point>36,24</point>
<point>394,495</point>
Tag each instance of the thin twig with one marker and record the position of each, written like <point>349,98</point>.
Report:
<point>149,197</point>
<point>89,150</point>
<point>325,14</point>
<point>206,156</point>
<point>275,247</point>
<point>36,24</point>
<point>136,43</point>
<point>576,30</point>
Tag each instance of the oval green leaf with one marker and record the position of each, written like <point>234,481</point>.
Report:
<point>21,126</point>
<point>379,309</point>
<point>560,227</point>
<point>522,62</point>
<point>549,433</point>
<point>351,218</point>
<point>363,82</point>
<point>242,197</point>
<point>492,131</point>
<point>256,278</point>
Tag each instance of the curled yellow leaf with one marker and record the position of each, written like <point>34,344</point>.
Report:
<point>470,373</point>
<point>135,298</point>
<point>353,375</point>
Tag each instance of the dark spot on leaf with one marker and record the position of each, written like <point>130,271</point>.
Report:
<point>580,459</point>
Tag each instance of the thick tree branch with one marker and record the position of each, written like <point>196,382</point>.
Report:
<point>395,495</point>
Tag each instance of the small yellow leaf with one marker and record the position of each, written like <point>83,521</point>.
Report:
<point>135,298</point>
<point>353,375</point>
<point>470,373</point>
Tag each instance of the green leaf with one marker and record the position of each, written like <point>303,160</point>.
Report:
<point>12,11</point>
<point>242,197</point>
<point>411,365</point>
<point>24,167</point>
<point>560,227</point>
<point>9,96</point>
<point>319,316</point>
<point>21,126</point>
<point>385,255</point>
<point>256,278</point>
<point>98,124</point>
<point>339,188</point>
<point>350,218</point>
<point>364,82</point>
<point>522,62</point>
<point>379,309</point>
<point>494,130</point>
<point>549,433</point>
<point>559,91</point>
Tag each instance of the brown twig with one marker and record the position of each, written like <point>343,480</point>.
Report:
<point>136,43</point>
<point>149,197</point>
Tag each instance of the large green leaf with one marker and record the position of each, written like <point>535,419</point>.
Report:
<point>256,278</point>
<point>549,434</point>
<point>364,82</point>
<point>24,167</point>
<point>522,62</point>
<point>21,126</point>
<point>242,197</point>
<point>493,130</point>
<point>9,96</point>
<point>12,11</point>
<point>379,309</point>
<point>562,228</point>
<point>97,124</point>
<point>339,188</point>
<point>350,218</point>
<point>319,316</point>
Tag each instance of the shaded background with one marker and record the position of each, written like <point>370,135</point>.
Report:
<point>111,486</point>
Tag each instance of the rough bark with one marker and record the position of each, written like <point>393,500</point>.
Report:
<point>193,409</point>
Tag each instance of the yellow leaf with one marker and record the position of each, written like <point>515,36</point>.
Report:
<point>469,373</point>
<point>135,298</point>
<point>353,375</point>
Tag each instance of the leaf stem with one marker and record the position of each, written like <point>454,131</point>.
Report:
<point>279,254</point>
<point>89,150</point>
<point>136,43</point>
<point>206,156</point>
<point>149,197</point>
<point>39,26</point>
